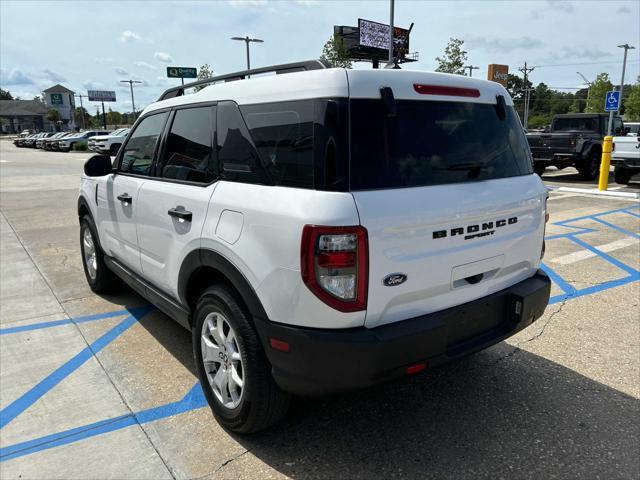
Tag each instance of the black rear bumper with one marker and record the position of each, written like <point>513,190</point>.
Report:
<point>321,361</point>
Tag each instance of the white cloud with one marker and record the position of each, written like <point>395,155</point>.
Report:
<point>129,36</point>
<point>103,60</point>
<point>163,57</point>
<point>247,3</point>
<point>146,65</point>
<point>504,45</point>
<point>580,53</point>
<point>89,85</point>
<point>53,76</point>
<point>15,77</point>
<point>560,6</point>
<point>307,3</point>
<point>121,71</point>
<point>623,10</point>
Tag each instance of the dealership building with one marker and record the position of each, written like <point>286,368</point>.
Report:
<point>61,99</point>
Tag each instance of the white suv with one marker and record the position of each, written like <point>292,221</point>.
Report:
<point>323,230</point>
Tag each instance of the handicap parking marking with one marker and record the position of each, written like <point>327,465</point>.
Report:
<point>580,255</point>
<point>22,403</point>
<point>570,292</point>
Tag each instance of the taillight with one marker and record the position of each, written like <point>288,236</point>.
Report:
<point>445,90</point>
<point>335,265</point>
<point>544,231</point>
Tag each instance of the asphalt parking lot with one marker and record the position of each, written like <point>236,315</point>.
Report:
<point>104,387</point>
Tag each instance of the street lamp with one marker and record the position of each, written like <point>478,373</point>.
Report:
<point>247,39</point>
<point>133,105</point>
<point>626,47</point>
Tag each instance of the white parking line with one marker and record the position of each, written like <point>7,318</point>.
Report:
<point>584,254</point>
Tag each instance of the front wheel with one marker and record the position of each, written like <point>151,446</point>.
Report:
<point>589,169</point>
<point>99,277</point>
<point>232,368</point>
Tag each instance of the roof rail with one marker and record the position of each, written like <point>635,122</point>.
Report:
<point>230,77</point>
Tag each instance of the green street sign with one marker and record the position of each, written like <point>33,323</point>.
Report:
<point>182,72</point>
<point>56,99</point>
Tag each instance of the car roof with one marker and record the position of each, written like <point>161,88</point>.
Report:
<point>336,83</point>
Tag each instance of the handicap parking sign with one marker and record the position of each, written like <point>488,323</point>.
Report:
<point>612,101</point>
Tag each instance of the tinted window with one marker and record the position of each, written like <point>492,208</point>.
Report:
<point>139,150</point>
<point>617,126</point>
<point>583,124</point>
<point>433,143</point>
<point>283,135</point>
<point>237,155</point>
<point>188,154</point>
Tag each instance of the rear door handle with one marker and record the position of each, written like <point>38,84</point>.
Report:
<point>180,213</point>
<point>125,198</point>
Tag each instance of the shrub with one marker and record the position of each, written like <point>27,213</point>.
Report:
<point>80,146</point>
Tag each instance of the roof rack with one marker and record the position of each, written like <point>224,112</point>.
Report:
<point>230,77</point>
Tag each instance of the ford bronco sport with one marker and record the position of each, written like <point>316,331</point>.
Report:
<point>323,230</point>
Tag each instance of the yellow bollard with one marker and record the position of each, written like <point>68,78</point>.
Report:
<point>605,162</point>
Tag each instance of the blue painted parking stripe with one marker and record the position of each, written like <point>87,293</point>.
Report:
<point>616,227</point>
<point>632,213</point>
<point>66,321</point>
<point>558,280</point>
<point>11,411</point>
<point>194,399</point>
<point>608,258</point>
<point>586,217</point>
<point>594,289</point>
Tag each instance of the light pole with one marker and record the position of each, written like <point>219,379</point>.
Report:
<point>247,40</point>
<point>133,105</point>
<point>471,68</point>
<point>81,108</point>
<point>626,47</point>
<point>588,84</point>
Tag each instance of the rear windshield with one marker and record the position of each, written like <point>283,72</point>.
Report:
<point>433,143</point>
<point>580,124</point>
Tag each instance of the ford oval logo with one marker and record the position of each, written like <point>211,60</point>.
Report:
<point>394,279</point>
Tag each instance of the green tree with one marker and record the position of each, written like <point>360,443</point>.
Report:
<point>96,121</point>
<point>53,115</point>
<point>5,95</point>
<point>204,72</point>
<point>78,114</point>
<point>335,53</point>
<point>453,59</point>
<point>113,117</point>
<point>632,102</point>
<point>38,98</point>
<point>599,89</point>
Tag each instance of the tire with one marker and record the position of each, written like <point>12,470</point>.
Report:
<point>589,169</point>
<point>258,403</point>
<point>99,277</point>
<point>621,175</point>
<point>539,168</point>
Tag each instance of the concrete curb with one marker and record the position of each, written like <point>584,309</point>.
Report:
<point>595,191</point>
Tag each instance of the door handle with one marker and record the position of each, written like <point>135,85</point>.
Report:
<point>125,198</point>
<point>180,213</point>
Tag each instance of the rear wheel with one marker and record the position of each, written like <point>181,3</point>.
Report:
<point>232,368</point>
<point>99,277</point>
<point>621,175</point>
<point>589,169</point>
<point>539,168</point>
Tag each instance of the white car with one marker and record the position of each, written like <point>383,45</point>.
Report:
<point>625,157</point>
<point>108,144</point>
<point>67,143</point>
<point>322,230</point>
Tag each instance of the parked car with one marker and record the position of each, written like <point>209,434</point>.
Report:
<point>67,143</point>
<point>19,140</point>
<point>626,158</point>
<point>319,233</point>
<point>40,141</point>
<point>46,143</point>
<point>54,143</point>
<point>31,140</point>
<point>575,139</point>
<point>108,144</point>
<point>632,128</point>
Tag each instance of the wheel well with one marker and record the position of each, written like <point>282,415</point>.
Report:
<point>83,210</point>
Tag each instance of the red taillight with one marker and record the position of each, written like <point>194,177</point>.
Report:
<point>444,90</point>
<point>335,265</point>
<point>280,345</point>
<point>417,368</point>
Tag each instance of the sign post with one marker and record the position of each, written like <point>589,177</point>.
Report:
<point>182,72</point>
<point>102,96</point>
<point>611,104</point>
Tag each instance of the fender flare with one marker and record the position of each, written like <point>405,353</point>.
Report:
<point>208,258</point>
<point>82,202</point>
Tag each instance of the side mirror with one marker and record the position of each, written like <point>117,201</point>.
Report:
<point>98,166</point>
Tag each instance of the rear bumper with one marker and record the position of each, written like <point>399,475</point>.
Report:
<point>322,362</point>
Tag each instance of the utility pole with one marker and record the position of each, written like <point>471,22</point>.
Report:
<point>390,64</point>
<point>133,105</point>
<point>471,69</point>
<point>247,40</point>
<point>588,84</point>
<point>526,72</point>
<point>81,108</point>
<point>626,47</point>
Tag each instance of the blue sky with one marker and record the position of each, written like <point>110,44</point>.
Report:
<point>93,45</point>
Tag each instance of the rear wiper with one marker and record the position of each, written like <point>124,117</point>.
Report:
<point>467,166</point>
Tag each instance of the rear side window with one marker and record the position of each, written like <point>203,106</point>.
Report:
<point>237,156</point>
<point>188,154</point>
<point>283,136</point>
<point>433,143</point>
<point>139,150</point>
<point>581,124</point>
